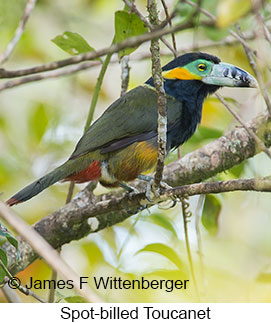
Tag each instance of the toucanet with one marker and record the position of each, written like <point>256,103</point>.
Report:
<point>122,143</point>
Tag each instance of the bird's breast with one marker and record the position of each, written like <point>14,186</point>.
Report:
<point>128,163</point>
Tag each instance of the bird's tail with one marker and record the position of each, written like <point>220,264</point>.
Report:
<point>39,185</point>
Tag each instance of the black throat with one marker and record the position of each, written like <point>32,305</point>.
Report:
<point>191,94</point>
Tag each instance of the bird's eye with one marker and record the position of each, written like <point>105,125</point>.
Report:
<point>202,67</point>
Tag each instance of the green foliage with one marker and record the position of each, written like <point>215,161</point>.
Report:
<point>211,210</point>
<point>9,237</point>
<point>230,11</point>
<point>75,299</point>
<point>167,252</point>
<point>4,259</point>
<point>26,127</point>
<point>237,170</point>
<point>72,43</point>
<point>127,25</point>
<point>215,34</point>
<point>38,122</point>
<point>163,221</point>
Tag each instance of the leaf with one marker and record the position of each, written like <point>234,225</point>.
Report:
<point>237,170</point>
<point>38,122</point>
<point>162,221</point>
<point>13,241</point>
<point>264,278</point>
<point>264,275</point>
<point>75,299</point>
<point>211,209</point>
<point>4,260</point>
<point>72,43</point>
<point>209,133</point>
<point>215,34</point>
<point>165,251</point>
<point>127,25</point>
<point>230,11</point>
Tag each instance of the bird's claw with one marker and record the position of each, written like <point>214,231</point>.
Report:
<point>151,191</point>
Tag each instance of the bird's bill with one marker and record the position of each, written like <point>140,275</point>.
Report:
<point>223,74</point>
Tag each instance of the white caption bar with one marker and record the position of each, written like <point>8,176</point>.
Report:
<point>83,312</point>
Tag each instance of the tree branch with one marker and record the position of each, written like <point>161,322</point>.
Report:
<point>48,75</point>
<point>114,48</point>
<point>88,213</point>
<point>161,96</point>
<point>45,250</point>
<point>151,26</point>
<point>19,31</point>
<point>84,66</point>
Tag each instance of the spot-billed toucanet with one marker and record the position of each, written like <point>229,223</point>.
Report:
<point>122,143</point>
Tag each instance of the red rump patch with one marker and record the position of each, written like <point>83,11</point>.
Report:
<point>92,173</point>
<point>12,201</point>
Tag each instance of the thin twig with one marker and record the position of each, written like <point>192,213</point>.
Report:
<point>214,20</point>
<point>204,11</point>
<point>168,17</point>
<point>70,192</point>
<point>15,283</point>
<point>253,65</point>
<point>48,75</point>
<point>229,40</point>
<point>97,91</point>
<point>11,295</point>
<point>19,31</point>
<point>161,97</point>
<point>133,8</point>
<point>45,250</point>
<point>258,141</point>
<point>199,241</point>
<point>51,297</point>
<point>186,215</point>
<point>125,74</point>
<point>134,41</point>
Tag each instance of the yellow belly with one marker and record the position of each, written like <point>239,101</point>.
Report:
<point>133,160</point>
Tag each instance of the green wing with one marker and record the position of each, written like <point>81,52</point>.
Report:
<point>134,114</point>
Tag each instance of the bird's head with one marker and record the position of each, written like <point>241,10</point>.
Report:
<point>191,77</point>
<point>207,69</point>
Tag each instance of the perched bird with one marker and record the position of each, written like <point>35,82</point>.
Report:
<point>122,143</point>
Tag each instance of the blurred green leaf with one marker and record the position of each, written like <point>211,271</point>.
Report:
<point>13,241</point>
<point>184,9</point>
<point>209,133</point>
<point>264,275</point>
<point>264,278</point>
<point>230,11</point>
<point>237,170</point>
<point>72,43</point>
<point>215,34</point>
<point>93,253</point>
<point>211,209</point>
<point>4,260</point>
<point>161,220</point>
<point>38,122</point>
<point>165,251</point>
<point>127,25</point>
<point>75,299</point>
<point>58,296</point>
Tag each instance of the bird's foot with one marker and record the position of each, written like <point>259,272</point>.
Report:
<point>152,192</point>
<point>130,189</point>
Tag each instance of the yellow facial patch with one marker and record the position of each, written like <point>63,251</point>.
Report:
<point>181,74</point>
